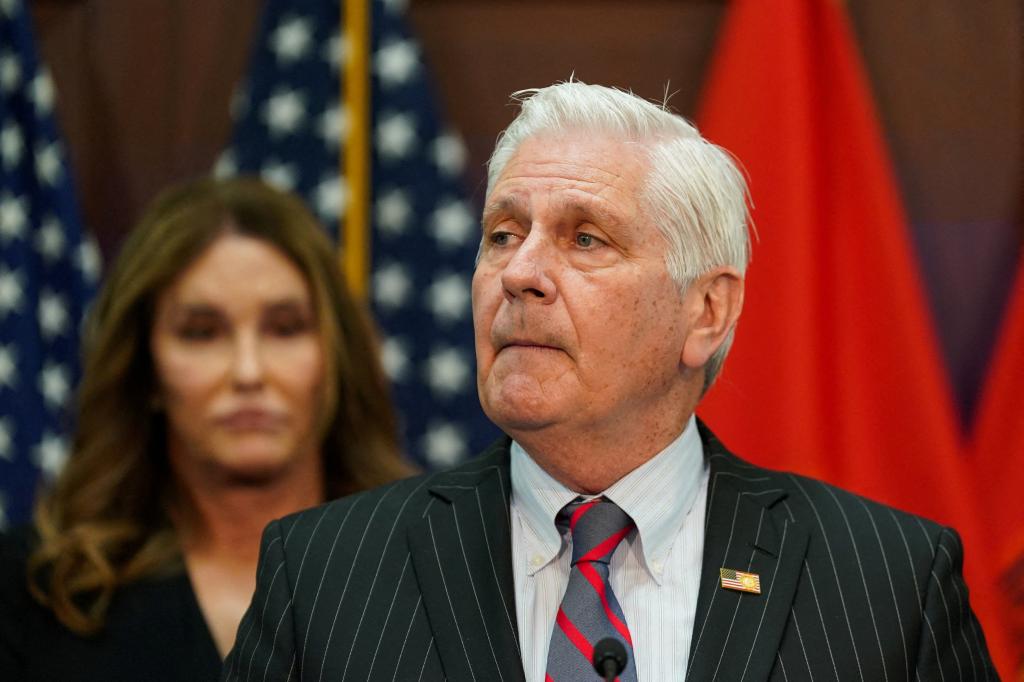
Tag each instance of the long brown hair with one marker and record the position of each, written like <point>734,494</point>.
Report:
<point>104,523</point>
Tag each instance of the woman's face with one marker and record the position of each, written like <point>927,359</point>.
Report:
<point>239,363</point>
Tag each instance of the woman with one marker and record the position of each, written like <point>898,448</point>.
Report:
<point>229,379</point>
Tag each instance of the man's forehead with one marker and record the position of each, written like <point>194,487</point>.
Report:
<point>566,162</point>
<point>518,203</point>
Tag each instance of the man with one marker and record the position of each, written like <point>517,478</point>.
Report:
<point>607,289</point>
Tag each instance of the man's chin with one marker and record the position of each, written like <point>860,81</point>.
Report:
<point>519,413</point>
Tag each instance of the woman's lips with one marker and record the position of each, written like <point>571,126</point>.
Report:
<point>250,420</point>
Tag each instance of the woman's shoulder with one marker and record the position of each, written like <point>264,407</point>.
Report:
<point>153,629</point>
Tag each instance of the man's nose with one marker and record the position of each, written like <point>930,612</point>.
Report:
<point>247,367</point>
<point>528,274</point>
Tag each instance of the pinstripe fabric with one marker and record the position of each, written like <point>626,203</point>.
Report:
<point>413,581</point>
<point>851,590</point>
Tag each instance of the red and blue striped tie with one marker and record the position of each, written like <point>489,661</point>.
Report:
<point>589,611</point>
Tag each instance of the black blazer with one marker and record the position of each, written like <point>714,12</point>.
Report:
<point>413,581</point>
<point>154,631</point>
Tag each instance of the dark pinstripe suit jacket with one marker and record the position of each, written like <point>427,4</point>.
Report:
<point>413,581</point>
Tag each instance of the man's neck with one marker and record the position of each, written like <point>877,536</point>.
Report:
<point>591,462</point>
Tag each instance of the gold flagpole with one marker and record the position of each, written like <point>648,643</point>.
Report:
<point>355,30</point>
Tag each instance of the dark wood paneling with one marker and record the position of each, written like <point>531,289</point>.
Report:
<point>143,93</point>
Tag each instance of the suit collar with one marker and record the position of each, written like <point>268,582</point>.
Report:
<point>736,635</point>
<point>472,610</point>
<point>462,555</point>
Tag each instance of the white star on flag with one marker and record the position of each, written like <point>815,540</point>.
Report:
<point>448,297</point>
<point>291,40</point>
<point>330,196</point>
<point>53,314</point>
<point>50,239</point>
<point>335,51</point>
<point>396,136</point>
<point>13,216</point>
<point>447,371</point>
<point>395,357</point>
<point>391,285</point>
<point>452,224</point>
<point>8,367</point>
<point>333,126</point>
<point>11,146</point>
<point>10,72</point>
<point>42,93</point>
<point>393,211</point>
<point>444,444</point>
<point>396,6</point>
<point>11,291</point>
<point>226,165</point>
<point>54,384</point>
<point>284,112</point>
<point>449,153</point>
<point>6,438</point>
<point>280,175</point>
<point>48,164</point>
<point>50,455</point>
<point>89,260</point>
<point>396,62</point>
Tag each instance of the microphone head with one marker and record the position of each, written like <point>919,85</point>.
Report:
<point>610,651</point>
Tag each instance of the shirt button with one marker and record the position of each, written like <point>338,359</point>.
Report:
<point>657,566</point>
<point>537,560</point>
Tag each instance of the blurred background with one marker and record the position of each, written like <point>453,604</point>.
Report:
<point>147,93</point>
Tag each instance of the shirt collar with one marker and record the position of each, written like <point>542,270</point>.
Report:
<point>657,495</point>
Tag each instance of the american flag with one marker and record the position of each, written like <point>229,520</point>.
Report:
<point>48,272</point>
<point>290,128</point>
<point>738,580</point>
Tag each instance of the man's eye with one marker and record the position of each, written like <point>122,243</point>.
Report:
<point>501,238</point>
<point>586,240</point>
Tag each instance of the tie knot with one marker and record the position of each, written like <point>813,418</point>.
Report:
<point>597,527</point>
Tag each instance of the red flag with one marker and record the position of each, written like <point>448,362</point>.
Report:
<point>997,455</point>
<point>836,370</point>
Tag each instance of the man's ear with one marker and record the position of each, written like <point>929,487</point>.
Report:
<point>713,304</point>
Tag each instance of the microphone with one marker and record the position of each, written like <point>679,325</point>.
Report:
<point>610,658</point>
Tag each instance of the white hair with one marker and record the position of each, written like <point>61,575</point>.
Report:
<point>694,192</point>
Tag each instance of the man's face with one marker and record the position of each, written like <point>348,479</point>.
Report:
<point>578,323</point>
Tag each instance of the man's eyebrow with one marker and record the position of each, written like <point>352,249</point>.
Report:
<point>507,204</point>
<point>595,211</point>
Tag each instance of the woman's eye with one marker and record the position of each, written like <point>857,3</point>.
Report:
<point>288,327</point>
<point>198,332</point>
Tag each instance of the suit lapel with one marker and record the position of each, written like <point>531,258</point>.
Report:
<point>462,555</point>
<point>736,635</point>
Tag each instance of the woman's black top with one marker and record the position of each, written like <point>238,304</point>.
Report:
<point>154,631</point>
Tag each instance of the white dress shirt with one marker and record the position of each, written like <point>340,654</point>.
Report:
<point>654,573</point>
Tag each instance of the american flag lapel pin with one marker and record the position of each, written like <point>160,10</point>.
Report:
<point>740,581</point>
